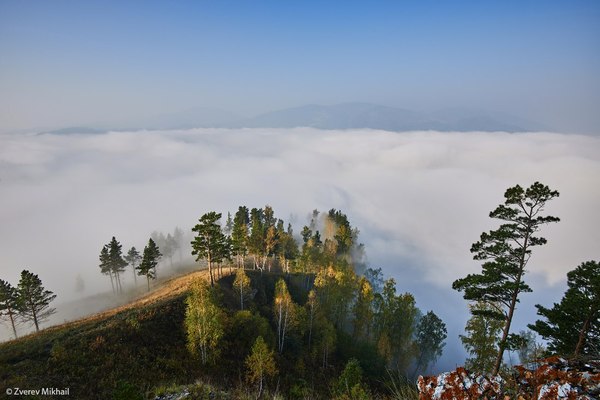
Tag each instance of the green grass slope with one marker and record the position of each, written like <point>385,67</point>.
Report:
<point>136,351</point>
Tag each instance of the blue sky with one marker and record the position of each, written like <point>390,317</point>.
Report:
<point>67,62</point>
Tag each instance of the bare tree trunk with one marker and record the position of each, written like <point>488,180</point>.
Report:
<point>35,320</point>
<point>119,287</point>
<point>279,327</point>
<point>12,321</point>
<point>148,280</point>
<point>210,272</point>
<point>310,326</point>
<point>511,309</point>
<point>112,285</point>
<point>242,294</point>
<point>582,335</point>
<point>260,386</point>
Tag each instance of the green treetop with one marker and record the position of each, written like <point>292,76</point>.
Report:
<point>506,252</point>
<point>203,320</point>
<point>210,243</point>
<point>149,262</point>
<point>34,299</point>
<point>572,327</point>
<point>9,304</point>
<point>261,364</point>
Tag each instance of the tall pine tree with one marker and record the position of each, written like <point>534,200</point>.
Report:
<point>34,300</point>
<point>105,265</point>
<point>9,304</point>
<point>133,258</point>
<point>430,335</point>
<point>572,327</point>
<point>506,252</point>
<point>116,261</point>
<point>239,234</point>
<point>149,262</point>
<point>210,243</point>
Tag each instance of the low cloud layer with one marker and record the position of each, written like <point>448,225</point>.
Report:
<point>419,198</point>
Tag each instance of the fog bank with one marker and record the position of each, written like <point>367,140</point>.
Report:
<point>419,198</point>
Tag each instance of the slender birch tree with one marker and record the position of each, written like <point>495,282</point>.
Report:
<point>283,308</point>
<point>241,285</point>
<point>203,320</point>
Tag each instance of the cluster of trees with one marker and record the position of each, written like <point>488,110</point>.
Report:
<point>254,233</point>
<point>336,299</point>
<point>170,244</point>
<point>29,301</point>
<point>571,327</point>
<point>113,262</point>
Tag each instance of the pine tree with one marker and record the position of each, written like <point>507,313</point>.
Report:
<point>228,225</point>
<point>34,300</point>
<point>169,248</point>
<point>241,285</point>
<point>430,335</point>
<point>261,364</point>
<point>271,241</point>
<point>344,235</point>
<point>149,261</point>
<point>572,327</point>
<point>105,265</point>
<point>116,261</point>
<point>506,252</point>
<point>239,235</point>
<point>203,320</point>
<point>178,240</point>
<point>256,240</point>
<point>287,248</point>
<point>210,243</point>
<point>133,258</point>
<point>9,304</point>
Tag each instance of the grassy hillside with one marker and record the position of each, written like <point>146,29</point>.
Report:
<point>138,350</point>
<point>141,344</point>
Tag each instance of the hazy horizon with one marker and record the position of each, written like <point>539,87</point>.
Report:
<point>109,63</point>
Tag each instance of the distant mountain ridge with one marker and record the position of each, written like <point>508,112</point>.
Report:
<point>74,130</point>
<point>338,116</point>
<point>373,116</point>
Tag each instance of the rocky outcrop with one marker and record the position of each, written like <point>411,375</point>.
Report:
<point>554,378</point>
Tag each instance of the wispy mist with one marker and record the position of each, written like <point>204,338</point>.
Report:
<point>419,198</point>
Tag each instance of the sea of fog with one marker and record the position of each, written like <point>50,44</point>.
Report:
<point>419,199</point>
